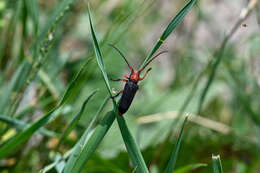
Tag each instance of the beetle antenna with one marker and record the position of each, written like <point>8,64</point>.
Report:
<point>120,54</point>
<point>152,59</point>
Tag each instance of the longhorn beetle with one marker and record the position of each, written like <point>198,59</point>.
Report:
<point>131,85</point>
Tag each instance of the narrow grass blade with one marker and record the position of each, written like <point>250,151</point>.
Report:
<point>173,159</point>
<point>73,83</point>
<point>92,143</point>
<point>75,120</point>
<point>81,143</point>
<point>216,162</point>
<point>172,25</point>
<point>99,55</point>
<point>132,147</point>
<point>190,168</point>
<point>211,77</point>
<point>24,19</point>
<point>20,125</point>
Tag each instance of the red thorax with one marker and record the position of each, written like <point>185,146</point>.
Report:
<point>135,75</point>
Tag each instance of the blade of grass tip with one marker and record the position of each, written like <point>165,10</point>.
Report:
<point>28,132</point>
<point>171,26</point>
<point>81,143</point>
<point>98,54</point>
<point>173,159</point>
<point>190,168</point>
<point>75,120</point>
<point>132,147</point>
<point>92,144</point>
<point>216,163</point>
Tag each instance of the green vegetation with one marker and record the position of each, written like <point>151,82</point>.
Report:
<point>200,99</point>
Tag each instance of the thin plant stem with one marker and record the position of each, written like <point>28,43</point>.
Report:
<point>219,53</point>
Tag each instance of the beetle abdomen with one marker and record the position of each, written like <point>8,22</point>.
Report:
<point>127,97</point>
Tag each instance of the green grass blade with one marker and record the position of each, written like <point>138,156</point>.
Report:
<point>105,124</point>
<point>216,163</point>
<point>99,55</point>
<point>211,77</point>
<point>79,146</point>
<point>25,135</point>
<point>92,143</point>
<point>33,9</point>
<point>132,147</point>
<point>20,125</point>
<point>24,20</point>
<point>173,159</point>
<point>190,168</point>
<point>73,83</point>
<point>75,120</point>
<point>171,26</point>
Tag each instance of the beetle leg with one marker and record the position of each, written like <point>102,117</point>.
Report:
<point>145,74</point>
<point>120,92</point>
<point>124,80</point>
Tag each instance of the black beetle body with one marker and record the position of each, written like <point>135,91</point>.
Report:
<point>128,95</point>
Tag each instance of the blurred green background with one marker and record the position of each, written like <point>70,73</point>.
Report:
<point>228,123</point>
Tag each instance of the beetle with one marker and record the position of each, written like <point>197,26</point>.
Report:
<point>131,86</point>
